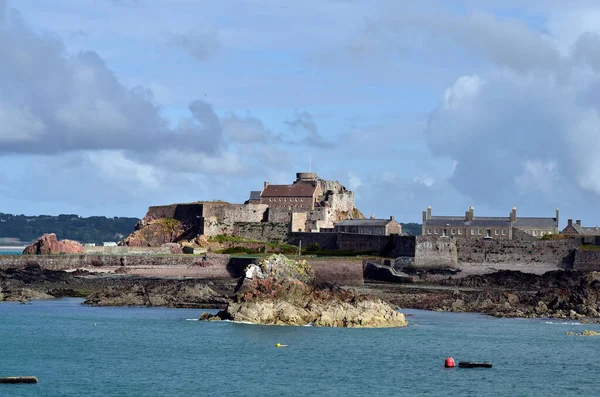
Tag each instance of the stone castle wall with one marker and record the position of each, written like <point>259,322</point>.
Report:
<point>431,252</point>
<point>274,232</point>
<point>392,246</point>
<point>221,219</point>
<point>559,253</point>
<point>279,214</point>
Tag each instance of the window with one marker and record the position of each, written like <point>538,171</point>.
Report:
<point>435,231</point>
<point>428,231</point>
<point>479,232</point>
<point>453,231</point>
<point>270,200</point>
<point>503,232</point>
<point>459,231</point>
<point>445,232</point>
<point>488,233</point>
<point>496,232</point>
<point>472,232</point>
<point>535,233</point>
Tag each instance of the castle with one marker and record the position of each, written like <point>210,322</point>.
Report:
<point>309,204</point>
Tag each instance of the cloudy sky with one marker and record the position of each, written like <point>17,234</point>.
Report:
<point>109,106</point>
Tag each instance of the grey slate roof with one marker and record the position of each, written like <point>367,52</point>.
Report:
<point>255,195</point>
<point>586,230</point>
<point>364,222</point>
<point>546,223</point>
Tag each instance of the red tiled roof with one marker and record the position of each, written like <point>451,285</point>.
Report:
<point>288,191</point>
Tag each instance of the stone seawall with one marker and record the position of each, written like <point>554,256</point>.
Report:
<point>342,271</point>
<point>216,265</point>
<point>431,252</point>
<point>559,253</point>
<point>587,260</point>
<point>125,250</point>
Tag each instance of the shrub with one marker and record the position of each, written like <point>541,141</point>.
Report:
<point>313,247</point>
<point>281,267</point>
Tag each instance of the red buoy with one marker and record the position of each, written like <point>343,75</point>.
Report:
<point>449,362</point>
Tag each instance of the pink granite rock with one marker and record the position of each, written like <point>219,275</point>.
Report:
<point>48,244</point>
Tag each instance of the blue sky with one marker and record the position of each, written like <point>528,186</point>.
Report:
<point>110,106</point>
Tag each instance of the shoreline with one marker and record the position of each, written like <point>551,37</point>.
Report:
<point>488,291</point>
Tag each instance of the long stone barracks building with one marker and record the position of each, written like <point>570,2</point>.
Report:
<point>471,227</point>
<point>575,229</point>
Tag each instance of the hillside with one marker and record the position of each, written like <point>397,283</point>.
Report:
<point>414,229</point>
<point>95,229</point>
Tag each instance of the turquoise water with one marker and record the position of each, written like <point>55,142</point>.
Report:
<point>11,252</point>
<point>157,352</point>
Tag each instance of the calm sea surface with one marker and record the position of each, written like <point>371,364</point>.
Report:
<point>158,352</point>
<point>11,251</point>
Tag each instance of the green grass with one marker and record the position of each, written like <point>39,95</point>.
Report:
<point>590,247</point>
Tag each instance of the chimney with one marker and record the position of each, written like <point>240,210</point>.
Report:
<point>424,216</point>
<point>428,212</point>
<point>392,218</point>
<point>266,184</point>
<point>578,222</point>
<point>470,214</point>
<point>372,216</point>
<point>513,214</point>
<point>557,217</point>
<point>570,222</point>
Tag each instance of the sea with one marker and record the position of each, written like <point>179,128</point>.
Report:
<point>76,350</point>
<point>11,250</point>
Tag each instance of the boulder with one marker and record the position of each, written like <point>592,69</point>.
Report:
<point>48,244</point>
<point>588,332</point>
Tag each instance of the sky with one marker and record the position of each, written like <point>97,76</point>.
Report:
<point>110,106</point>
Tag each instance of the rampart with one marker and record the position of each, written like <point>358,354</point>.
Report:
<point>431,252</point>
<point>276,232</point>
<point>391,246</point>
<point>560,253</point>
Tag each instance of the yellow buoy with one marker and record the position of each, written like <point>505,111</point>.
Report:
<point>278,345</point>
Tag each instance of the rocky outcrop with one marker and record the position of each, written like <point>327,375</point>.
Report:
<point>48,244</point>
<point>270,295</point>
<point>559,294</point>
<point>23,295</point>
<point>157,293</point>
<point>154,233</point>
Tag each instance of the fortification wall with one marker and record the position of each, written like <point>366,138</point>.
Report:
<point>560,253</point>
<point>327,241</point>
<point>279,214</point>
<point>587,260</point>
<point>343,201</point>
<point>392,246</point>
<point>160,211</point>
<point>221,218</point>
<point>275,232</point>
<point>299,221</point>
<point>431,252</point>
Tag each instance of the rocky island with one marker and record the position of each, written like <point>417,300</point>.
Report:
<point>279,291</point>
